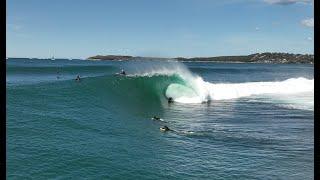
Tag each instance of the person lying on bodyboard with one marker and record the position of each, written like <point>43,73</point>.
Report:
<point>156,118</point>
<point>78,78</point>
<point>165,128</point>
<point>122,72</point>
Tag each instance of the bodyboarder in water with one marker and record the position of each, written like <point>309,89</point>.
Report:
<point>156,118</point>
<point>122,72</point>
<point>165,128</point>
<point>78,78</point>
<point>58,75</point>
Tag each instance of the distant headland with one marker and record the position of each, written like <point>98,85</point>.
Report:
<point>267,57</point>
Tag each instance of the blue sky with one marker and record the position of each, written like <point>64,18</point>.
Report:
<point>162,28</point>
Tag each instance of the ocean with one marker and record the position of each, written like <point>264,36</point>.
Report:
<point>227,121</point>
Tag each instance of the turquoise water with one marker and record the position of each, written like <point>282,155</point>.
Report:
<point>230,121</point>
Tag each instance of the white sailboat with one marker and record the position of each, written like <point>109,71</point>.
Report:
<point>53,58</point>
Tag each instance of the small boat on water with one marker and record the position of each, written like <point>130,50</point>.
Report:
<point>53,58</point>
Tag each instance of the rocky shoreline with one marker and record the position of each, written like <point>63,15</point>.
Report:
<point>269,58</point>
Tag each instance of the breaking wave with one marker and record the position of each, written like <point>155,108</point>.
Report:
<point>192,88</point>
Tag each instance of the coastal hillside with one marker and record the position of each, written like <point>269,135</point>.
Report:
<point>110,57</point>
<point>267,57</point>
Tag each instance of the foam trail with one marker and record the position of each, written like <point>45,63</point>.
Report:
<point>231,91</point>
<point>205,91</point>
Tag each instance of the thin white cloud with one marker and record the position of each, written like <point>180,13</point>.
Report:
<point>287,2</point>
<point>309,38</point>
<point>308,22</point>
<point>257,28</point>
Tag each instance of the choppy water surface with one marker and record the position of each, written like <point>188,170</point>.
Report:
<point>230,121</point>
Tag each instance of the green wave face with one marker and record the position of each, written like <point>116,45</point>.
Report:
<point>135,94</point>
<point>144,88</point>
